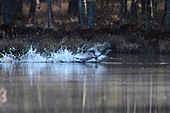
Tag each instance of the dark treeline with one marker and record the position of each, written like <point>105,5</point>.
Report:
<point>148,13</point>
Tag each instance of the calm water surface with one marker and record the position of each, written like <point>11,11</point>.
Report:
<point>122,84</point>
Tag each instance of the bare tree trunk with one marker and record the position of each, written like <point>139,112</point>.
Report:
<point>102,3</point>
<point>73,7</point>
<point>148,10</point>
<point>7,18</point>
<point>7,11</point>
<point>17,6</point>
<point>121,14</point>
<point>168,15</point>
<point>151,5</point>
<point>82,17</point>
<point>164,16</point>
<point>154,7</point>
<point>1,8</point>
<point>49,14</point>
<point>143,3</point>
<point>125,13</point>
<point>32,10</point>
<point>134,9</point>
<point>90,13</point>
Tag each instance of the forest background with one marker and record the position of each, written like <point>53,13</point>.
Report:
<point>130,26</point>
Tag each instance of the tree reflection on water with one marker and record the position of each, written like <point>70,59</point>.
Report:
<point>3,94</point>
<point>86,88</point>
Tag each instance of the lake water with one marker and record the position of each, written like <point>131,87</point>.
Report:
<point>121,84</point>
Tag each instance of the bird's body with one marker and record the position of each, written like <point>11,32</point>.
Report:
<point>97,53</point>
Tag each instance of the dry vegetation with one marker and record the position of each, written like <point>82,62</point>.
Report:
<point>130,37</point>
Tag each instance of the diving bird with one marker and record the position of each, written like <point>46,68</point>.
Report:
<point>100,49</point>
<point>97,53</point>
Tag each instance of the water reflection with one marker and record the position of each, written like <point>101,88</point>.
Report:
<point>3,97</point>
<point>131,87</point>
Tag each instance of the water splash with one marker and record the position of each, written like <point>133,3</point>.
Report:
<point>62,55</point>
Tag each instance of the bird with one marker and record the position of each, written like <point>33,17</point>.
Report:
<point>96,53</point>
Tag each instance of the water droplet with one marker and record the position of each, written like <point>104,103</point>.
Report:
<point>62,55</point>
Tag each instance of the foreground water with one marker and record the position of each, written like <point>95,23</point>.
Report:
<point>121,84</point>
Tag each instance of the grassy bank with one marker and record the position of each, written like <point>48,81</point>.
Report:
<point>127,39</point>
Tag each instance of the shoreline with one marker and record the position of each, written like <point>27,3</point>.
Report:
<point>121,40</point>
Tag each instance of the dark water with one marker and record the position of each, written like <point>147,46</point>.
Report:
<point>122,84</point>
